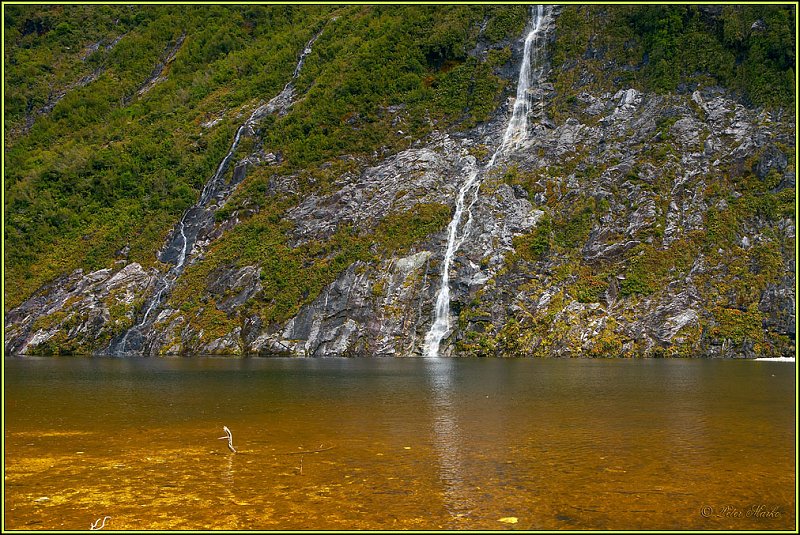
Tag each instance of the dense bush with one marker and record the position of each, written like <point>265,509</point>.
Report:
<point>91,165</point>
<point>747,48</point>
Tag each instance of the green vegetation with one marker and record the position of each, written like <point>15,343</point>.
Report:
<point>739,326</point>
<point>747,48</point>
<point>94,165</point>
<point>590,288</point>
<point>400,230</point>
<point>292,277</point>
<point>108,167</point>
<point>649,266</point>
<point>535,245</point>
<point>564,232</point>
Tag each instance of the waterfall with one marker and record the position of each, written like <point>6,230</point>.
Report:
<point>441,323</point>
<point>212,185</point>
<point>182,257</point>
<point>279,103</point>
<point>215,187</point>
<point>516,132</point>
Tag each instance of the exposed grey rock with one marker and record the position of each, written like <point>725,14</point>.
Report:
<point>233,287</point>
<point>772,159</point>
<point>778,301</point>
<point>78,306</point>
<point>384,306</point>
<point>411,177</point>
<point>159,71</point>
<point>225,345</point>
<point>91,49</point>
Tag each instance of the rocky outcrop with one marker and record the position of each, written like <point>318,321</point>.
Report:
<point>614,230</point>
<point>78,312</point>
<point>682,318</point>
<point>194,231</point>
<point>159,73</point>
<point>57,94</point>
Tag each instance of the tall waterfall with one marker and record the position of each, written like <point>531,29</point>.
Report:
<point>216,189</point>
<point>516,132</point>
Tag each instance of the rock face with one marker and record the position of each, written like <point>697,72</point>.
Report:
<point>196,230</point>
<point>75,311</point>
<point>709,134</point>
<point>616,229</point>
<point>159,71</point>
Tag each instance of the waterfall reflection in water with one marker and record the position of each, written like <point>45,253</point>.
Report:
<point>420,443</point>
<point>448,439</point>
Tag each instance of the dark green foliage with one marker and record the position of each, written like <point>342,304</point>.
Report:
<point>401,230</point>
<point>590,289</point>
<point>536,244</point>
<point>370,59</point>
<point>292,277</point>
<point>748,48</point>
<point>108,167</point>
<point>737,325</point>
<point>574,231</point>
<point>505,22</point>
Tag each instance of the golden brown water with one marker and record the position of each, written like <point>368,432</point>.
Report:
<point>415,444</point>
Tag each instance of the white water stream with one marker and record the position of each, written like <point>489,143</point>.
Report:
<point>279,103</point>
<point>516,132</point>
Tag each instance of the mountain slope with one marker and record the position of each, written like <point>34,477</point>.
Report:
<point>649,212</point>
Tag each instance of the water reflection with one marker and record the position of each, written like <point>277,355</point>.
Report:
<point>447,437</point>
<point>228,477</point>
<point>419,443</point>
<point>685,424</point>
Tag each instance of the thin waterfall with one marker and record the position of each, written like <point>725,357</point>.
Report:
<point>214,188</point>
<point>279,103</point>
<point>182,257</point>
<point>516,132</point>
<point>441,323</point>
<point>212,185</point>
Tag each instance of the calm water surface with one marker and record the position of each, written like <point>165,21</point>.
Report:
<point>408,444</point>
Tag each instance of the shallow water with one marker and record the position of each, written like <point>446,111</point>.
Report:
<point>408,444</point>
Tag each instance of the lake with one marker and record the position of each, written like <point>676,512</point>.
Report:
<point>403,443</point>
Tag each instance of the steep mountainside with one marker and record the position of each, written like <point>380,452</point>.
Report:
<point>294,179</point>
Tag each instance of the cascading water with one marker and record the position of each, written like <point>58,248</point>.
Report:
<point>516,132</point>
<point>215,188</point>
<point>279,103</point>
<point>182,256</point>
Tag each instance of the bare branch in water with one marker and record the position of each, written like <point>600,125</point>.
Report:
<point>307,451</point>
<point>96,524</point>
<point>229,436</point>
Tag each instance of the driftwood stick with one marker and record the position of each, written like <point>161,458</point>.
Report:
<point>96,524</point>
<point>229,436</point>
<point>307,451</point>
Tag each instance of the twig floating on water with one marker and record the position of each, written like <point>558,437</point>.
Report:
<point>307,451</point>
<point>96,524</point>
<point>229,436</point>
